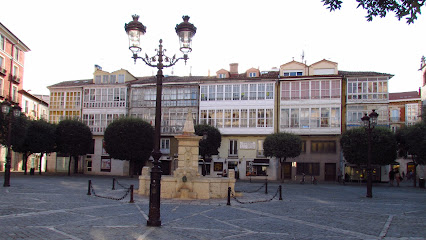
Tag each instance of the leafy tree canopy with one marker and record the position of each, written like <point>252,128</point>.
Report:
<point>129,139</point>
<point>73,138</point>
<point>412,141</point>
<point>354,144</point>
<point>402,8</point>
<point>209,146</point>
<point>282,146</point>
<point>40,137</point>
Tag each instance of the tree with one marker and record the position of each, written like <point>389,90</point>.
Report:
<point>412,141</point>
<point>20,127</point>
<point>354,144</point>
<point>210,144</point>
<point>130,139</point>
<point>282,146</point>
<point>73,138</point>
<point>402,8</point>
<point>40,138</point>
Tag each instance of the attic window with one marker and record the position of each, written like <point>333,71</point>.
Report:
<point>252,74</point>
<point>221,75</point>
<point>292,73</point>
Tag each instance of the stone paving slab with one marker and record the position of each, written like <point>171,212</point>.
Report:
<point>58,207</point>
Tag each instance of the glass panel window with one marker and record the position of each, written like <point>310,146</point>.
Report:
<point>325,117</point>
<point>203,93</point>
<point>252,117</point>
<point>335,89</point>
<point>112,79</point>
<point>259,152</point>
<point>323,146</point>
<point>253,91</point>
<point>261,118</point>
<point>335,117</point>
<point>235,118</point>
<point>295,90</point>
<point>227,118</point>
<point>304,92</point>
<point>236,92</point>
<point>315,118</point>
<point>2,42</point>
<point>285,92</point>
<point>294,121</point>
<point>105,79</point>
<point>98,79</point>
<point>315,89</point>
<point>285,118</point>
<point>219,118</point>
<point>233,147</point>
<point>121,78</point>
<point>212,92</point>
<point>269,117</point>
<point>219,93</point>
<point>325,89</point>
<point>269,91</point>
<point>244,92</point>
<point>228,92</point>
<point>304,118</point>
<point>261,91</point>
<point>244,118</point>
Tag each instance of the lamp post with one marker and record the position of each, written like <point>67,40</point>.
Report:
<point>5,108</point>
<point>185,32</point>
<point>369,122</point>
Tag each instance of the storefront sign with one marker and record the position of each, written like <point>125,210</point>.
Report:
<point>247,145</point>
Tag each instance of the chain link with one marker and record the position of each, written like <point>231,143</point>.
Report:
<point>255,190</point>
<point>121,185</point>
<point>111,198</point>
<point>258,201</point>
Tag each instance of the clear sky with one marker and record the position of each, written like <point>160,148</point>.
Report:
<point>67,38</point>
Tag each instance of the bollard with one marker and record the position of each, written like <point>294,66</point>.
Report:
<point>266,186</point>
<point>113,183</point>
<point>229,196</point>
<point>281,192</point>
<point>88,190</point>
<point>131,194</point>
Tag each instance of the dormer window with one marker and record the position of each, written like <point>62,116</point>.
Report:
<point>120,78</point>
<point>292,73</point>
<point>221,75</point>
<point>98,79</point>
<point>105,79</point>
<point>252,74</point>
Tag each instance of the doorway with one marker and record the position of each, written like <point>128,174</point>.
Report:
<point>330,172</point>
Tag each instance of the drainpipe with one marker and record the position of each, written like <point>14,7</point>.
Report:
<point>10,73</point>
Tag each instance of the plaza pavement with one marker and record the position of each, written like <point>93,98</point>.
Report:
<point>58,207</point>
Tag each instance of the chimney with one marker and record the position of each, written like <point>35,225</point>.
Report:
<point>233,68</point>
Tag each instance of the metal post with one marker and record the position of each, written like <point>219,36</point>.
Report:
<point>131,194</point>
<point>281,192</point>
<point>113,183</point>
<point>369,177</point>
<point>155,186</point>
<point>229,197</point>
<point>266,186</point>
<point>88,189</point>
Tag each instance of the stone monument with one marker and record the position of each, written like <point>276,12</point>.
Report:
<point>186,182</point>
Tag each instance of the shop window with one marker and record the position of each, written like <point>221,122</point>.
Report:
<point>89,165</point>
<point>323,147</point>
<point>310,169</point>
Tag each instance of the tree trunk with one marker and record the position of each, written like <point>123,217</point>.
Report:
<point>25,161</point>
<point>40,162</point>
<point>75,164</point>
<point>69,166</point>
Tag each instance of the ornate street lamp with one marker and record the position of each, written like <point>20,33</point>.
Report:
<point>369,122</point>
<point>5,108</point>
<point>135,30</point>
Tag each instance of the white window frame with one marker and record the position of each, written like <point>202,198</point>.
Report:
<point>165,145</point>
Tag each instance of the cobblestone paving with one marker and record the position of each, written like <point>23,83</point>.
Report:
<point>58,207</point>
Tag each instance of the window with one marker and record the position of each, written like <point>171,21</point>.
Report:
<point>260,118</point>
<point>252,117</point>
<point>235,118</point>
<point>304,90</point>
<point>98,79</point>
<point>323,147</point>
<point>395,115</point>
<point>252,74</point>
<point>16,53</point>
<point>285,92</point>
<point>165,146</point>
<point>295,90</point>
<point>261,91</point>
<point>244,92</point>
<point>309,169</point>
<point>26,106</point>
<point>244,118</point>
<point>304,118</point>
<point>233,148</point>
<point>315,89</point>
<point>15,94</point>
<point>371,88</point>
<point>2,42</point>
<point>15,70</point>
<point>325,89</point>
<point>120,78</point>
<point>294,121</point>
<point>112,79</point>
<point>1,63</point>
<point>292,73</point>
<point>228,118</point>
<point>411,113</point>
<point>212,92</point>
<point>259,152</point>
<point>236,92</point>
<point>219,92</point>
<point>269,91</point>
<point>285,118</point>
<point>203,93</point>
<point>228,92</point>
<point>325,117</point>
<point>221,75</point>
<point>253,91</point>
<point>105,79</point>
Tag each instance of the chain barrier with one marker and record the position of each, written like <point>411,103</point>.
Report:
<point>107,197</point>
<point>121,185</point>
<point>257,190</point>
<point>258,201</point>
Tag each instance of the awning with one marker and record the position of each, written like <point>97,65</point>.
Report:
<point>261,162</point>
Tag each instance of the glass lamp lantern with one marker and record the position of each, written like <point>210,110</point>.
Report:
<point>373,117</point>
<point>135,30</point>
<point>5,107</point>
<point>185,31</point>
<point>366,121</point>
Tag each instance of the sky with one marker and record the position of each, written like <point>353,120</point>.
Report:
<point>67,38</point>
